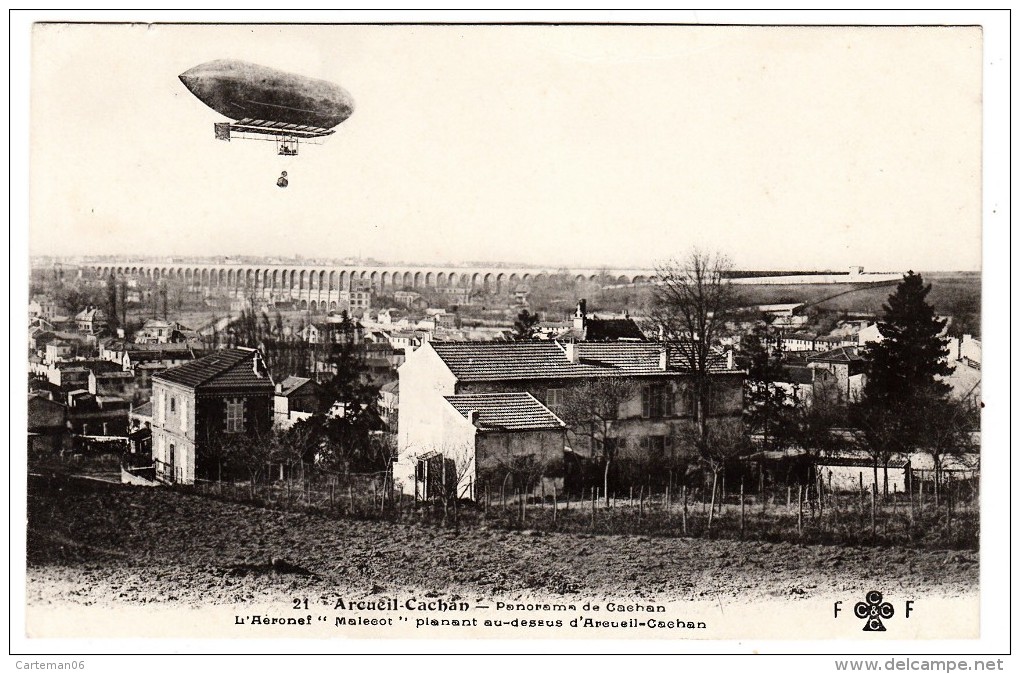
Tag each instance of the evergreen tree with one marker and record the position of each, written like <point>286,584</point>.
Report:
<point>112,315</point>
<point>524,326</point>
<point>905,365</point>
<point>903,375</point>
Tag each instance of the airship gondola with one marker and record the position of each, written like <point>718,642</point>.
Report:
<point>268,104</point>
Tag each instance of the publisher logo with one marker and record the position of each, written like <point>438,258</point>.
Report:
<point>873,611</point>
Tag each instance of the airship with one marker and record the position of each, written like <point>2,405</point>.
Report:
<point>268,104</point>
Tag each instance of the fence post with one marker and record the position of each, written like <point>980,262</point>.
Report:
<point>860,493</point>
<point>555,502</point>
<point>641,502</point>
<point>741,508</point>
<point>683,516</point>
<point>593,497</point>
<point>874,507</point>
<point>800,509</point>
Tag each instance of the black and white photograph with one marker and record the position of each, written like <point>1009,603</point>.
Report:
<point>587,333</point>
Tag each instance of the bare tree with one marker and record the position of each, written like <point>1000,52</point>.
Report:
<point>691,301</point>
<point>254,452</point>
<point>882,433</point>
<point>591,410</point>
<point>717,443</point>
<point>291,446</point>
<point>946,426</point>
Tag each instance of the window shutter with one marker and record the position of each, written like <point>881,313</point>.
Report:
<point>667,395</point>
<point>646,401</point>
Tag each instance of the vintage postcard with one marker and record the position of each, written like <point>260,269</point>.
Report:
<point>601,334</point>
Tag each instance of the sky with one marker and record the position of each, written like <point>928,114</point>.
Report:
<point>784,148</point>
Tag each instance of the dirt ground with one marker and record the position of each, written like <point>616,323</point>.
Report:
<point>91,543</point>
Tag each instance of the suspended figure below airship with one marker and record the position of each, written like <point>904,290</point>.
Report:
<point>268,104</point>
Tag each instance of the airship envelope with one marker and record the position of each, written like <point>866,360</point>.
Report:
<point>260,98</point>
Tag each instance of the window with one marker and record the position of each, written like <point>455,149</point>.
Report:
<point>235,415</point>
<point>657,445</point>
<point>173,404</point>
<point>656,401</point>
<point>554,400</point>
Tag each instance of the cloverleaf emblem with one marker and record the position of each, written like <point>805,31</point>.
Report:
<point>873,610</point>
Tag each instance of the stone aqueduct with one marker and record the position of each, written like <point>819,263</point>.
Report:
<point>323,284</point>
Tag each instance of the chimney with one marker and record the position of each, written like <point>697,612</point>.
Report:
<point>571,350</point>
<point>664,358</point>
<point>472,417</point>
<point>729,359</point>
<point>580,316</point>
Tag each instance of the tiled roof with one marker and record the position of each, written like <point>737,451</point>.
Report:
<point>144,410</point>
<point>291,384</point>
<point>226,369</point>
<point>506,411</point>
<point>844,354</point>
<point>485,361</point>
<point>140,355</point>
<point>598,329</point>
<point>806,336</point>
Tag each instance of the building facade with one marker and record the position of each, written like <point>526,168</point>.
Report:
<point>657,417</point>
<point>201,404</point>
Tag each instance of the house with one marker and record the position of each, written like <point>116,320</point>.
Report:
<point>443,319</point>
<point>90,320</point>
<point>117,383</point>
<point>409,299</point>
<point>869,334</point>
<point>97,416</point>
<point>68,375</point>
<point>59,350</point>
<point>47,425</point>
<point>160,355</point>
<point>43,307</point>
<point>296,399</point>
<point>406,341</point>
<point>838,374</point>
<point>454,295</point>
<point>198,404</point>
<point>155,331</point>
<point>38,338</point>
<point>799,341</point>
<point>830,342</point>
<point>784,315</point>
<point>483,434</point>
<point>594,329</point>
<point>140,416</point>
<point>333,332</point>
<point>659,408</point>
<point>356,301</point>
<point>389,403</point>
